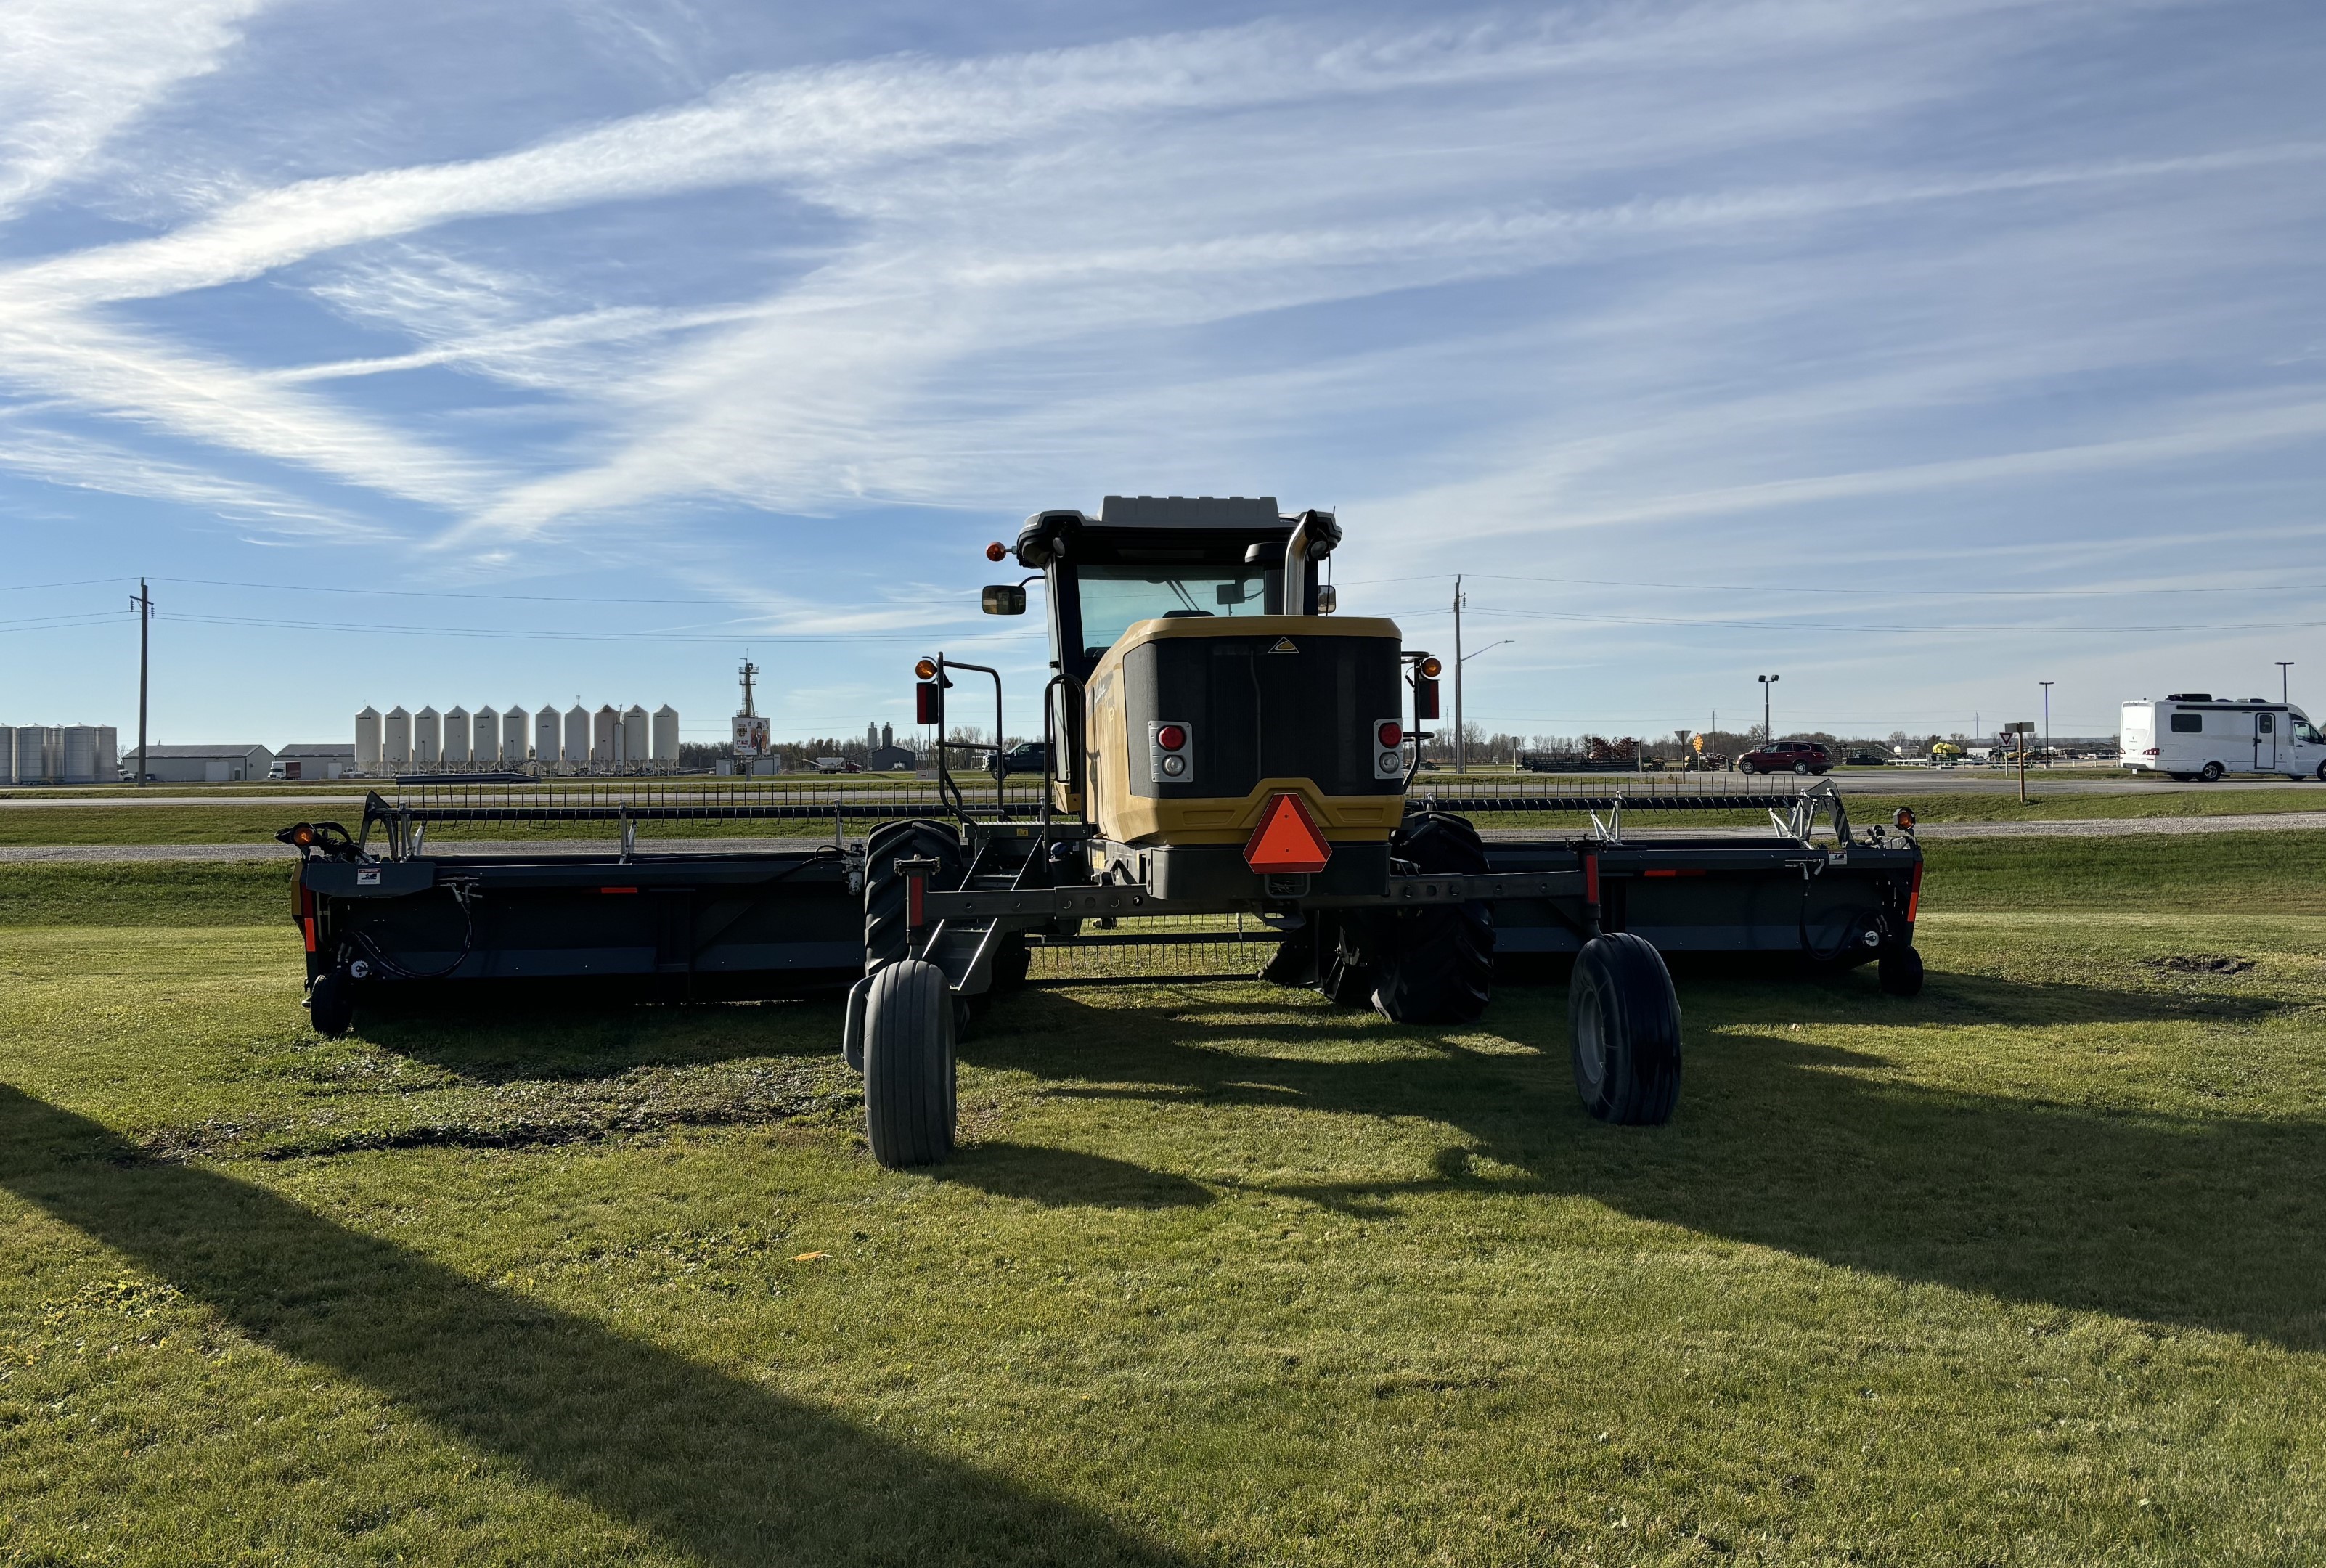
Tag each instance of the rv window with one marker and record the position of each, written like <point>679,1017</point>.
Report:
<point>2265,723</point>
<point>2188,723</point>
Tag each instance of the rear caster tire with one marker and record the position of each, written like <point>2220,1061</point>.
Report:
<point>1434,965</point>
<point>887,936</point>
<point>331,1004</point>
<point>909,1064</point>
<point>1899,972</point>
<point>2210,772</point>
<point>1624,1017</point>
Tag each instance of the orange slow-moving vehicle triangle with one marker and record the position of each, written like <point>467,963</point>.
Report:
<point>1287,841</point>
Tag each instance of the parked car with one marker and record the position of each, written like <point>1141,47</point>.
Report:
<point>1863,758</point>
<point>1804,756</point>
<point>1027,756</point>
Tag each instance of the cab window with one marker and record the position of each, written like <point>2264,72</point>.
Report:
<point>2303,733</point>
<point>1114,597</point>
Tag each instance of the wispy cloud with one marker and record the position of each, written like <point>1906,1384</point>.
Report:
<point>73,72</point>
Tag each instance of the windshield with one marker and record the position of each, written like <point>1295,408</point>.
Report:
<point>1114,597</point>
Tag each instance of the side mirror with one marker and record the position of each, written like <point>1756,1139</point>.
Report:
<point>1229,593</point>
<point>1328,599</point>
<point>1005,598</point>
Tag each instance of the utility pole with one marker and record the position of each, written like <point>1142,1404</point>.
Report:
<point>2047,721</point>
<point>2285,682</point>
<point>142,603</point>
<point>1461,739</point>
<point>1768,733</point>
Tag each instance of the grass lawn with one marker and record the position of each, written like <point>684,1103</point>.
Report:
<point>2031,1270</point>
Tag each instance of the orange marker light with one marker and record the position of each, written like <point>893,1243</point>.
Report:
<point>996,550</point>
<point>926,669</point>
<point>1432,668</point>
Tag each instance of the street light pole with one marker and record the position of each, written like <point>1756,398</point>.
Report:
<point>2047,721</point>
<point>1461,659</point>
<point>1461,740</point>
<point>1768,731</point>
<point>2285,682</point>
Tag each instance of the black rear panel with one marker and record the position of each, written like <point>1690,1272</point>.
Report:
<point>1260,713</point>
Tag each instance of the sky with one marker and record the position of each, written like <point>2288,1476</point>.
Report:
<point>438,354</point>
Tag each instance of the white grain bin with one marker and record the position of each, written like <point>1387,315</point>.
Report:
<point>603,735</point>
<point>514,724</point>
<point>427,738</point>
<point>665,736</point>
<point>367,740</point>
<point>459,732</point>
<point>397,750</point>
<point>546,746</point>
<point>485,743</point>
<point>108,754</point>
<point>81,753</point>
<point>577,736</point>
<point>638,736</point>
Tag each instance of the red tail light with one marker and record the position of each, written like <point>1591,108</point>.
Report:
<point>1171,737</point>
<point>1391,735</point>
<point>2153,751</point>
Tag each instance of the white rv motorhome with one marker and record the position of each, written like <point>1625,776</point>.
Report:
<point>2195,735</point>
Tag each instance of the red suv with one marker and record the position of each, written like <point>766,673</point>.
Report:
<point>1787,756</point>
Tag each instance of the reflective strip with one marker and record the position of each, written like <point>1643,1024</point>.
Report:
<point>1914,898</point>
<point>307,925</point>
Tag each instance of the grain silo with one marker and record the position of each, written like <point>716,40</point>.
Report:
<point>485,738</point>
<point>460,733</point>
<point>576,736</point>
<point>7,755</point>
<point>514,724</point>
<point>665,736</point>
<point>367,740</point>
<point>638,736</point>
<point>81,753</point>
<point>427,738</point>
<point>397,748</point>
<point>602,738</point>
<point>545,738</point>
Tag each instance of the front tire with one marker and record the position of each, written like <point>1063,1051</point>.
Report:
<point>1623,1016</point>
<point>909,1065</point>
<point>888,935</point>
<point>1746,768</point>
<point>2210,772</point>
<point>1435,965</point>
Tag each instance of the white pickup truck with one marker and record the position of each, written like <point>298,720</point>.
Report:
<point>2195,735</point>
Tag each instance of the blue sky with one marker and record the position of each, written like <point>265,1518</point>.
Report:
<point>440,354</point>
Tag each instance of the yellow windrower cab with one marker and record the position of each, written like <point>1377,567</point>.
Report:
<point>1208,692</point>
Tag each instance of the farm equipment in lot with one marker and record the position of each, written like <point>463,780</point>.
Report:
<point>1225,760</point>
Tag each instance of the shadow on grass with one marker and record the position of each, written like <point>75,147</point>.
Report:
<point>1064,1178</point>
<point>503,1040</point>
<point>715,1467</point>
<point>2212,1223</point>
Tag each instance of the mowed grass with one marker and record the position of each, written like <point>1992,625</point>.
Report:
<point>2026,1271</point>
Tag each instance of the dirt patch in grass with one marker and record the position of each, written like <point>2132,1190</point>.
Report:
<point>2198,963</point>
